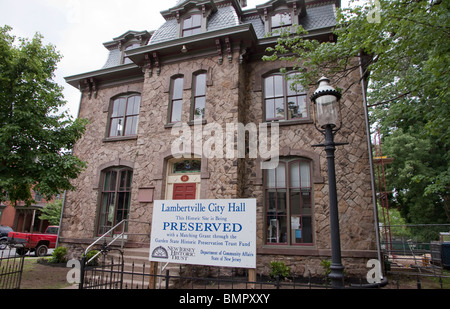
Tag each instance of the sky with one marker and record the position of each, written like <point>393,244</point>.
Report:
<point>78,29</point>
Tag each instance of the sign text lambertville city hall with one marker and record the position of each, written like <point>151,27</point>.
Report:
<point>205,232</point>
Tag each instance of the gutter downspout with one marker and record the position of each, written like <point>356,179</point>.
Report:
<point>60,218</point>
<point>372,176</point>
<point>65,191</point>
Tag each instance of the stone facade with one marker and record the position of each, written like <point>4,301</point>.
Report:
<point>234,94</point>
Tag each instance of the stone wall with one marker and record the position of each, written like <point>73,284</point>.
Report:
<point>233,94</point>
<point>356,214</point>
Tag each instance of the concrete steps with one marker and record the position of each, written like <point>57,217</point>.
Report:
<point>136,264</point>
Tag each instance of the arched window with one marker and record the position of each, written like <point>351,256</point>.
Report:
<point>199,96</point>
<point>115,197</point>
<point>283,100</point>
<point>288,203</point>
<point>176,99</point>
<point>124,115</point>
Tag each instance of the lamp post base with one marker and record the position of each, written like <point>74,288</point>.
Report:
<point>337,276</point>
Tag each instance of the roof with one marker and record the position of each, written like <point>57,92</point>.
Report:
<point>221,15</point>
<point>319,17</point>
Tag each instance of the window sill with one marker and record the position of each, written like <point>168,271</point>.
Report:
<point>190,123</point>
<point>119,138</point>
<point>289,122</point>
<point>170,125</point>
<point>196,122</point>
<point>289,250</point>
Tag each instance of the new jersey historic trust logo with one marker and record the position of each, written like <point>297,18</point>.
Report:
<point>160,252</point>
<point>176,253</point>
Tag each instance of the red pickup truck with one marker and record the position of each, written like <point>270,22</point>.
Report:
<point>39,243</point>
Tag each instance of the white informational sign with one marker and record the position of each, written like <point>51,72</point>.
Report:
<point>204,232</point>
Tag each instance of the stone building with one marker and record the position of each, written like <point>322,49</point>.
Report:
<point>203,68</point>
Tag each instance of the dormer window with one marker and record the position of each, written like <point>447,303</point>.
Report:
<point>192,25</point>
<point>281,20</point>
<point>125,59</point>
<point>280,15</point>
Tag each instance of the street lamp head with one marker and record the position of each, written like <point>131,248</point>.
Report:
<point>326,100</point>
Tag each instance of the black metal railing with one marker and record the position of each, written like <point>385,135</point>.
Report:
<point>110,273</point>
<point>11,267</point>
<point>101,272</point>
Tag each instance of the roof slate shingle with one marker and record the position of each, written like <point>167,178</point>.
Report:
<point>226,16</point>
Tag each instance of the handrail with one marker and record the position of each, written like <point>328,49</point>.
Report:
<point>121,235</point>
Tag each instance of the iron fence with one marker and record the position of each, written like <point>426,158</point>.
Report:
<point>110,273</point>
<point>417,247</point>
<point>11,267</point>
<point>103,274</point>
<point>408,263</point>
<point>416,253</point>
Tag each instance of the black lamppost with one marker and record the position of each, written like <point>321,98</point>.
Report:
<point>328,121</point>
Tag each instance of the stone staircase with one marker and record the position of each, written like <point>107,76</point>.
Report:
<point>136,263</point>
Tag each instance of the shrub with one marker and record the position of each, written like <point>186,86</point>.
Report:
<point>59,255</point>
<point>279,269</point>
<point>326,264</point>
<point>89,255</point>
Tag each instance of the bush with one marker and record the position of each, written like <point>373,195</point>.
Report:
<point>279,269</point>
<point>326,264</point>
<point>89,255</point>
<point>59,255</point>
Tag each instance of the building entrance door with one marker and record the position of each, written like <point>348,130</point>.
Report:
<point>184,191</point>
<point>183,180</point>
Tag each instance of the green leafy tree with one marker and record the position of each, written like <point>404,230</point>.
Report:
<point>35,136</point>
<point>402,49</point>
<point>52,212</point>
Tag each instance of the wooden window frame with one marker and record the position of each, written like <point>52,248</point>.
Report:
<point>193,29</point>
<point>281,25</point>
<point>130,46</point>
<point>121,212</point>
<point>286,94</point>
<point>126,117</point>
<point>272,220</point>
<point>197,96</point>
<point>174,99</point>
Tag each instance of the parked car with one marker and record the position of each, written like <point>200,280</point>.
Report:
<point>4,231</point>
<point>39,243</point>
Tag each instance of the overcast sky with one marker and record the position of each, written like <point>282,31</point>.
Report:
<point>78,29</point>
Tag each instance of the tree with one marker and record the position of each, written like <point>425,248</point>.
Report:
<point>52,212</point>
<point>402,48</point>
<point>35,136</point>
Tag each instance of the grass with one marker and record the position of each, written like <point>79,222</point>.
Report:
<point>43,276</point>
<point>409,281</point>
